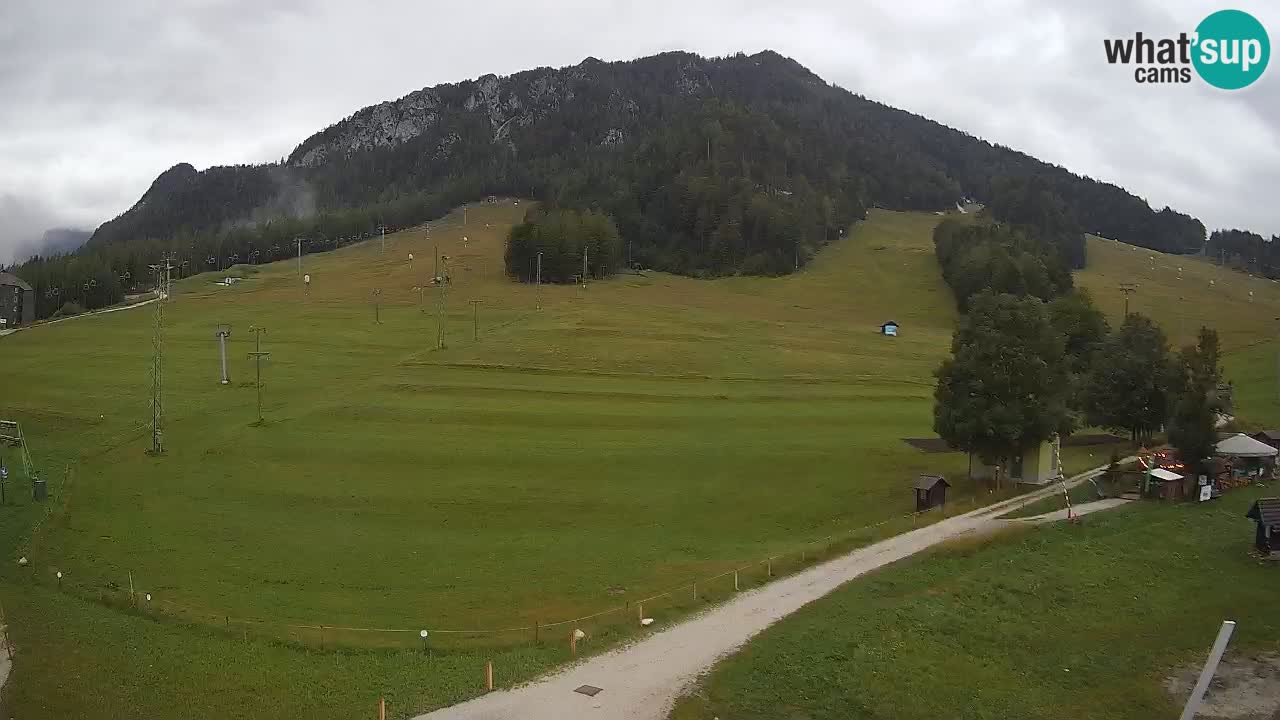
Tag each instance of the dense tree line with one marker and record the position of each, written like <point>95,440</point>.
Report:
<point>564,238</point>
<point>1033,357</point>
<point>1001,258</point>
<point>101,274</point>
<point>1021,370</point>
<point>1246,250</point>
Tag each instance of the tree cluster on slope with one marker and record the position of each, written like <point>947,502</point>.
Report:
<point>564,238</point>
<point>1246,250</point>
<point>997,257</point>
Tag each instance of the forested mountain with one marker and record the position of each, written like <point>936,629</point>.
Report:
<point>707,166</point>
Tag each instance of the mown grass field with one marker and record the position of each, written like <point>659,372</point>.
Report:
<point>627,438</point>
<point>1079,621</point>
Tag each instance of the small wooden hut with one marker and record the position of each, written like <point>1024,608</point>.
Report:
<point>1266,513</point>
<point>931,491</point>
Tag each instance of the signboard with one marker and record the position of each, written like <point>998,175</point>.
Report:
<point>1204,480</point>
<point>307,278</point>
<point>1206,492</point>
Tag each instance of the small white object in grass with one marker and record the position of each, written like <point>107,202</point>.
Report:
<point>646,622</point>
<point>148,597</point>
<point>578,634</point>
<point>22,560</point>
<point>422,634</point>
<point>59,574</point>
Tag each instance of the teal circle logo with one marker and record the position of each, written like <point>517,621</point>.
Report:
<point>1232,49</point>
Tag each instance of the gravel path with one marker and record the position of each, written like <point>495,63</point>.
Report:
<point>640,681</point>
<point>1076,510</point>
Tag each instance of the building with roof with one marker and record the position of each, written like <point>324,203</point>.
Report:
<point>1037,465</point>
<point>1248,457</point>
<point>1266,513</point>
<point>1270,437</point>
<point>931,491</point>
<point>17,302</point>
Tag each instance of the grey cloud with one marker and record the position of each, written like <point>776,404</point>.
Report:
<point>101,97</point>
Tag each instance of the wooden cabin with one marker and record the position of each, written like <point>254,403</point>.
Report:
<point>931,492</point>
<point>1266,513</point>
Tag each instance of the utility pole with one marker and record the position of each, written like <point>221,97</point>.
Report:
<point>475,319</point>
<point>436,274</point>
<point>168,275</point>
<point>1128,289</point>
<point>1278,370</point>
<point>377,306</point>
<point>224,332</point>
<point>442,304</point>
<point>258,356</point>
<point>538,289</point>
<point>157,366</point>
<point>383,229</point>
<point>584,266</point>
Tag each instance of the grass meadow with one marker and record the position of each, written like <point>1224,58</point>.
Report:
<point>1080,621</point>
<point>626,438</point>
<point>570,450</point>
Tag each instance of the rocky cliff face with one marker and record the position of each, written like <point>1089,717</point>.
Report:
<point>503,104</point>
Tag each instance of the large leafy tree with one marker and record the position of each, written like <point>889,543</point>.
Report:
<point>1004,388</point>
<point>1128,386</point>
<point>1082,324</point>
<point>1191,427</point>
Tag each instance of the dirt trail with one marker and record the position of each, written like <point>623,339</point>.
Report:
<point>640,681</point>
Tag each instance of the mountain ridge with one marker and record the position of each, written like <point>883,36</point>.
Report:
<point>743,164</point>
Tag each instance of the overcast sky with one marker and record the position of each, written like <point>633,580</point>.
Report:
<point>100,97</point>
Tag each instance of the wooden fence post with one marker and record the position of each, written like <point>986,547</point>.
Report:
<point>382,709</point>
<point>640,611</point>
<point>488,676</point>
<point>735,579</point>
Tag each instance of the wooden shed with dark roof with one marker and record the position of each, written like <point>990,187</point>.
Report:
<point>931,491</point>
<point>1266,513</point>
<point>1270,437</point>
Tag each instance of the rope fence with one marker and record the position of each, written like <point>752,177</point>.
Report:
<point>616,621</point>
